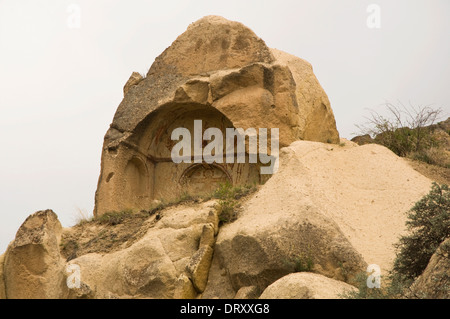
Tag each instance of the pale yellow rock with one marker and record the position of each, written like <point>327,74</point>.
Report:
<point>140,271</point>
<point>184,288</point>
<point>208,237</point>
<point>194,91</point>
<point>263,246</point>
<point>213,218</point>
<point>219,284</point>
<point>134,79</point>
<point>154,265</point>
<point>307,286</point>
<point>221,73</point>
<point>213,43</point>
<point>318,123</point>
<point>33,266</point>
<point>198,268</point>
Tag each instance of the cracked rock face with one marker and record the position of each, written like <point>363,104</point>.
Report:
<point>220,72</point>
<point>33,266</point>
<point>171,260</point>
<point>306,286</point>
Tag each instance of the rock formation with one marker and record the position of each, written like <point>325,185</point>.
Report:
<point>220,72</point>
<point>32,266</point>
<point>434,283</point>
<point>329,211</point>
<point>335,208</point>
<point>306,286</point>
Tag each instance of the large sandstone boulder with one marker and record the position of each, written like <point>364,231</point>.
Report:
<point>33,266</point>
<point>306,286</point>
<point>171,260</point>
<point>341,206</point>
<point>220,72</point>
<point>366,190</point>
<point>265,245</point>
<point>434,282</point>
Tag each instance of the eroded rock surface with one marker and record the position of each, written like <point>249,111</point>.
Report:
<point>306,286</point>
<point>33,266</point>
<point>220,72</point>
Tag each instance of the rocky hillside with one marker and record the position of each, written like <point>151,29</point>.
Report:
<point>165,230</point>
<point>329,212</point>
<point>433,160</point>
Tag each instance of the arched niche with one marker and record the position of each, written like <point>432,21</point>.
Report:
<point>203,179</point>
<point>152,139</point>
<point>136,181</point>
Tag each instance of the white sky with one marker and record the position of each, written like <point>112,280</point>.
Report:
<point>60,87</point>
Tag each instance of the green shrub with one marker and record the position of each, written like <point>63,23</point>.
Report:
<point>432,155</point>
<point>114,218</point>
<point>301,263</point>
<point>407,129</point>
<point>429,225</point>
<point>228,197</point>
<point>392,290</point>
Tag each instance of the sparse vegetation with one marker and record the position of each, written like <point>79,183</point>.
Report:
<point>119,227</point>
<point>433,156</point>
<point>392,290</point>
<point>114,218</point>
<point>302,263</point>
<point>407,129</point>
<point>82,217</point>
<point>429,226</point>
<point>228,197</point>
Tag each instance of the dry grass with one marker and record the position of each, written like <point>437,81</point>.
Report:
<point>438,174</point>
<point>114,231</point>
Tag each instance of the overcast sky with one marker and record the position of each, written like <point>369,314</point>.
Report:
<point>61,77</point>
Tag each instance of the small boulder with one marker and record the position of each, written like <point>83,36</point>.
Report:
<point>306,286</point>
<point>134,79</point>
<point>33,266</point>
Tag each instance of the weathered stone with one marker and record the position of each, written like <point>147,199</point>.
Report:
<point>184,288</point>
<point>434,282</point>
<point>250,292</point>
<point>317,122</point>
<point>33,266</point>
<point>220,72</point>
<point>282,242</point>
<point>134,79</point>
<point>306,286</point>
<point>213,218</point>
<point>154,265</point>
<point>363,139</point>
<point>141,271</point>
<point>198,268</point>
<point>218,285</point>
<point>84,292</point>
<point>208,236</point>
